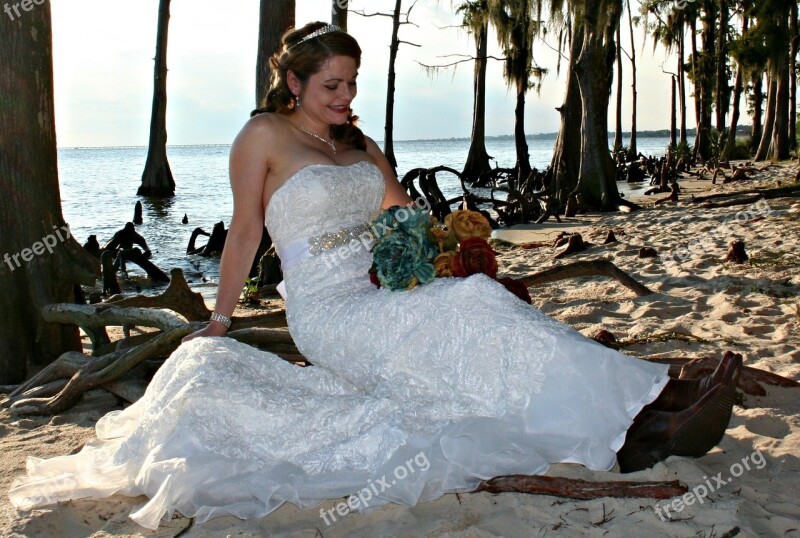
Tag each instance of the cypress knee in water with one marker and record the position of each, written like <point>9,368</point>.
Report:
<point>137,213</point>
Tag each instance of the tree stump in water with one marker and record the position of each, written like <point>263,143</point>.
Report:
<point>137,213</point>
<point>737,254</point>
<point>92,246</point>
<point>216,242</point>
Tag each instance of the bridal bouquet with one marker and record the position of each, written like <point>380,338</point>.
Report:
<point>412,248</point>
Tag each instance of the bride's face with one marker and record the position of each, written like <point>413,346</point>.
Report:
<point>327,94</point>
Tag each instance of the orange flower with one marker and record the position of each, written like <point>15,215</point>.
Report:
<point>466,224</point>
<point>442,264</point>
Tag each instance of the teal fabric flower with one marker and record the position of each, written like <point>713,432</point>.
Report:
<point>403,255</point>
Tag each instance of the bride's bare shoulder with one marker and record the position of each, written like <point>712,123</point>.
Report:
<point>267,125</point>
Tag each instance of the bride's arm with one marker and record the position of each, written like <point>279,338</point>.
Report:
<point>395,193</point>
<point>248,170</point>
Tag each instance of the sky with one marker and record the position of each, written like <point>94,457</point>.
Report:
<point>103,65</point>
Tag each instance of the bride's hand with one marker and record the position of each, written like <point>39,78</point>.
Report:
<point>212,329</point>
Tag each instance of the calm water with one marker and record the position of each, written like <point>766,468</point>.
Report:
<point>98,192</point>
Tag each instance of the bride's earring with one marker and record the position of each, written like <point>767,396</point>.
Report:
<point>297,101</point>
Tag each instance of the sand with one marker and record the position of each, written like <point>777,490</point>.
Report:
<point>749,484</point>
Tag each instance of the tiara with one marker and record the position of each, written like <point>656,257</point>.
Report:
<point>316,33</point>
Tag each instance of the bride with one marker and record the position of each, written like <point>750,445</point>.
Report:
<point>452,382</point>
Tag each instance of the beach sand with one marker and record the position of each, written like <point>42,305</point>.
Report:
<point>709,305</point>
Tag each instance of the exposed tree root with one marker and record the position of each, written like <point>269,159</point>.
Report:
<point>586,268</point>
<point>573,488</point>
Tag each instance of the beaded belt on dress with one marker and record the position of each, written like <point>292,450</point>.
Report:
<point>295,252</point>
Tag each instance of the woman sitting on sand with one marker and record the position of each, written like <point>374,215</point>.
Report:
<point>457,380</point>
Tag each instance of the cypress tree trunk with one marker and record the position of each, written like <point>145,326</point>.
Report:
<point>566,155</point>
<point>769,118</point>
<point>596,179</point>
<point>339,13</point>
<point>738,86</point>
<point>388,140</point>
<point>697,86</point>
<point>705,83</point>
<point>41,262</point>
<point>779,74</point>
<point>477,157</point>
<point>673,121</point>
<point>275,17</point>
<point>758,103</point>
<point>618,115</point>
<point>730,142</point>
<point>795,38</point>
<point>721,89</point>
<point>682,86</point>
<point>157,177</point>
<point>632,150</point>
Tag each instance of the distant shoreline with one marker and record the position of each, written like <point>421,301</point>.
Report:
<point>742,130</point>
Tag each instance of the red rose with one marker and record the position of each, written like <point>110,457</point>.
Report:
<point>373,277</point>
<point>516,287</point>
<point>474,256</point>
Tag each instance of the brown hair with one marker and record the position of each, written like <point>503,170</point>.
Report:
<point>304,60</point>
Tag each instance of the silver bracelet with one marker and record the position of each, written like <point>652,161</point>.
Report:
<point>222,319</point>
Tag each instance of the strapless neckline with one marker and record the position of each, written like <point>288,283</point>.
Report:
<point>313,165</point>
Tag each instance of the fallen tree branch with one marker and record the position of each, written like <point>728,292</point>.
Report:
<point>103,315</point>
<point>573,488</point>
<point>777,192</point>
<point>586,268</point>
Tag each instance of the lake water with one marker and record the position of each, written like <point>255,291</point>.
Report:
<point>98,192</point>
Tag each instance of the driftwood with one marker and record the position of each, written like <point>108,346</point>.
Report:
<point>750,196</point>
<point>573,488</point>
<point>110,284</point>
<point>586,268</point>
<point>98,372</point>
<point>177,297</point>
<point>136,256</point>
<point>191,248</point>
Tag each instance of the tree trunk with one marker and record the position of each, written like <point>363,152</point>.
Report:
<point>632,145</point>
<point>566,155</point>
<point>696,86</point>
<point>339,13</point>
<point>738,86</point>
<point>730,142</point>
<point>758,104</point>
<point>274,19</point>
<point>769,118</point>
<point>157,176</point>
<point>618,116</point>
<point>682,85</point>
<point>705,83</point>
<point>597,185</point>
<point>721,92</point>
<point>673,120</point>
<point>780,129</point>
<point>795,40</point>
<point>41,262</point>
<point>477,157</point>
<point>388,141</point>
<point>523,157</point>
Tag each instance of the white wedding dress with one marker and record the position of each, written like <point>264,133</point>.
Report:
<point>454,382</point>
